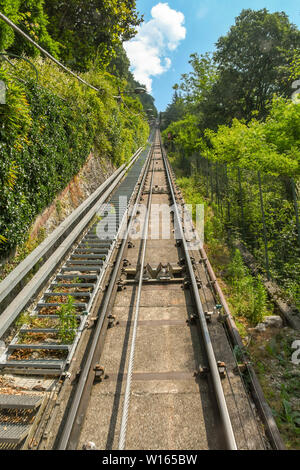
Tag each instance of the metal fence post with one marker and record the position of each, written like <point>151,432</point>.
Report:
<point>217,186</point>
<point>207,178</point>
<point>211,181</point>
<point>227,193</point>
<point>241,200</point>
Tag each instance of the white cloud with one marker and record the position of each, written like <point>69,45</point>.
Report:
<point>148,50</point>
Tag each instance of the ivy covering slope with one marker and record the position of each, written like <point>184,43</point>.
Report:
<point>47,130</point>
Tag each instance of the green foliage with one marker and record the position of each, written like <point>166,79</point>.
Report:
<point>90,32</point>
<point>47,131</point>
<point>252,62</point>
<point>279,378</point>
<point>254,57</point>
<point>30,16</point>
<point>196,84</point>
<point>295,66</point>
<point>235,109</point>
<point>79,33</point>
<point>175,111</point>
<point>272,146</point>
<point>249,294</point>
<point>184,134</point>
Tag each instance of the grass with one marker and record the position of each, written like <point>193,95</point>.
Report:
<point>67,321</point>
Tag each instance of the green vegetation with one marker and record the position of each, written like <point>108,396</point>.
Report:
<point>30,16</point>
<point>233,135</point>
<point>234,123</point>
<point>67,323</point>
<point>22,252</point>
<point>47,132</point>
<point>77,32</point>
<point>251,63</point>
<point>49,127</point>
<point>247,298</point>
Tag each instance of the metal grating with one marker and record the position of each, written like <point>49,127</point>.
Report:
<point>13,433</point>
<point>20,402</point>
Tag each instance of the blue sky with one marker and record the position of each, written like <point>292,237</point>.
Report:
<point>177,28</point>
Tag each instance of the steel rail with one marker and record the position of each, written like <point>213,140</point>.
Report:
<point>223,410</point>
<point>126,403</point>
<point>69,435</point>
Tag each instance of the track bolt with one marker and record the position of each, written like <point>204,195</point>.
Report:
<point>111,321</point>
<point>202,370</point>
<point>222,369</point>
<point>193,318</point>
<point>208,316</point>
<point>130,244</point>
<point>120,285</point>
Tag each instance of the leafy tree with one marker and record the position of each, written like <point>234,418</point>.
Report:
<point>120,64</point>
<point>196,84</point>
<point>175,111</point>
<point>251,63</point>
<point>91,30</point>
<point>271,146</point>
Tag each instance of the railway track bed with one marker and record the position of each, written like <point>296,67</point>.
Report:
<point>168,390</point>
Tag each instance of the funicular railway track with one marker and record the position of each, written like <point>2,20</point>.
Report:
<point>160,384</point>
<point>150,365</point>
